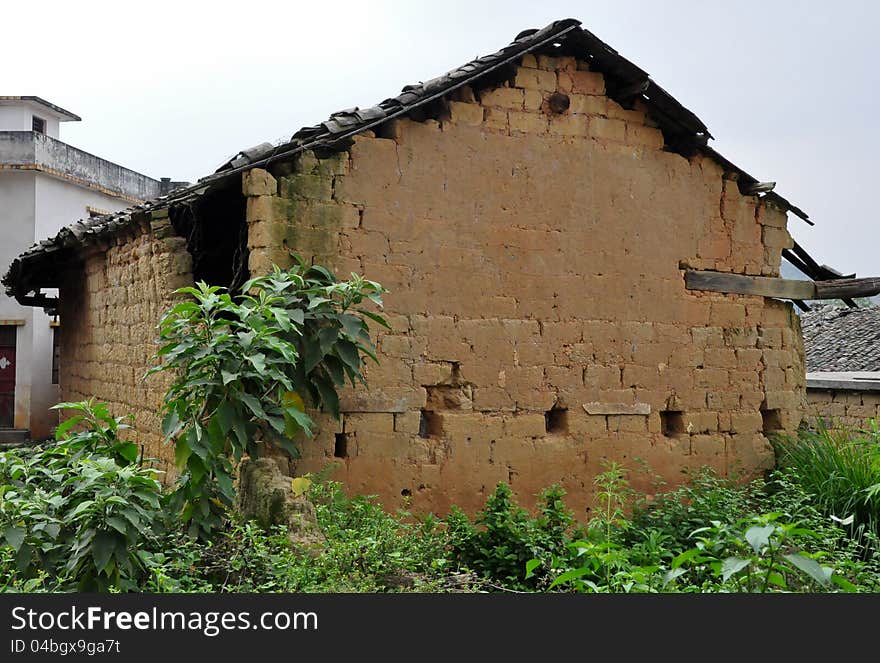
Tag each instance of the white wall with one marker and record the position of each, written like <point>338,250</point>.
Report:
<point>34,206</point>
<point>17,190</point>
<point>18,116</point>
<point>60,203</point>
<point>15,118</point>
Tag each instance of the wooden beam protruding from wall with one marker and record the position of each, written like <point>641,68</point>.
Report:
<point>767,286</point>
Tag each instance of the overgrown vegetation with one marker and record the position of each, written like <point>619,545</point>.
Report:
<point>710,535</point>
<point>78,514</point>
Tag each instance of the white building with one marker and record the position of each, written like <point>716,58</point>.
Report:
<point>45,184</point>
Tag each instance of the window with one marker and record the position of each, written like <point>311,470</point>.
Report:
<point>56,353</point>
<point>39,125</point>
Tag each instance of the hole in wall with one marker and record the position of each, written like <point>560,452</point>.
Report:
<point>556,421</point>
<point>215,229</point>
<point>406,492</point>
<point>430,424</point>
<point>772,421</point>
<point>340,446</point>
<point>672,422</point>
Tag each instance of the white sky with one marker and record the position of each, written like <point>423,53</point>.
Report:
<point>788,89</point>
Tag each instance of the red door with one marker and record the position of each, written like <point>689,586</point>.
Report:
<point>7,376</point>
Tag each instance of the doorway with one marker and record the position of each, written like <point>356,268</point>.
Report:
<point>7,376</point>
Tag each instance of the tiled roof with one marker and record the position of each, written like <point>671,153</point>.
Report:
<point>842,339</point>
<point>625,82</point>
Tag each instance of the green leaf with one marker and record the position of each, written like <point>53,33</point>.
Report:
<point>733,565</point>
<point>118,524</point>
<point>81,508</point>
<point>182,452</point>
<point>672,574</point>
<point>196,468</point>
<point>128,450</point>
<point>224,483</point>
<point>777,579</point>
<point>759,537</point>
<point>686,556</point>
<point>301,419</point>
<point>14,537</point>
<point>352,326</point>
<point>102,548</point>
<point>312,354</point>
<point>843,583</point>
<point>253,405</point>
<point>819,573</point>
<point>228,376</point>
<point>347,352</point>
<point>375,318</point>
<point>329,397</point>
<point>315,302</point>
<point>326,274</point>
<point>327,337</point>
<point>66,425</point>
<point>170,425</point>
<point>335,369</point>
<point>573,574</point>
<point>258,362</point>
<point>225,416</point>
<point>277,423</point>
<point>23,557</point>
<point>531,565</point>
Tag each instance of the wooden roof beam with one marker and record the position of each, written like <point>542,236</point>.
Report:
<point>766,286</point>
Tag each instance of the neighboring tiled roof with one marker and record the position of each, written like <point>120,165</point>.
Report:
<point>625,83</point>
<point>842,339</point>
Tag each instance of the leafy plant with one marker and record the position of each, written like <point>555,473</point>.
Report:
<point>598,562</point>
<point>759,554</point>
<point>80,509</point>
<point>244,367</point>
<point>503,539</point>
<point>840,468</point>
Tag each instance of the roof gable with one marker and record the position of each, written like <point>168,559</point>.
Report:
<point>626,84</point>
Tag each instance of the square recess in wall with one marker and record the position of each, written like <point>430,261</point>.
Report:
<point>556,421</point>
<point>430,424</point>
<point>340,446</point>
<point>772,421</point>
<point>672,422</point>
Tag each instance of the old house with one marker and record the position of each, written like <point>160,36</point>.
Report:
<point>44,185</point>
<point>551,225</point>
<point>843,365</point>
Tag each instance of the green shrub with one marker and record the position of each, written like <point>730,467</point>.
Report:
<point>503,537</point>
<point>840,468</point>
<point>79,510</point>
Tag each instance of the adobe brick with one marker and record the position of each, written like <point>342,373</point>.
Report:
<point>466,113</point>
<point>582,82</point>
<point>529,123</point>
<point>503,97</point>
<point>639,134</point>
<point>535,79</point>
<point>605,129</point>
<point>587,104</point>
<point>258,182</point>
<point>524,425</point>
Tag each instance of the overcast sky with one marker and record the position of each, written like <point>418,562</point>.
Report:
<point>788,89</point>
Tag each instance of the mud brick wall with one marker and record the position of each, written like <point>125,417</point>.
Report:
<point>540,321</point>
<point>110,308</point>
<point>843,409</point>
